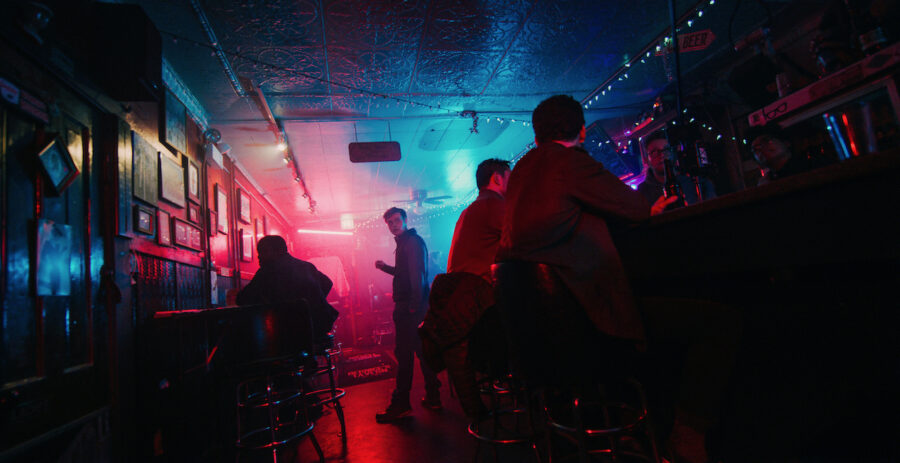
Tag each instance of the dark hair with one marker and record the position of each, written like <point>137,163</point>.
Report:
<point>559,117</point>
<point>487,168</point>
<point>272,243</point>
<point>658,135</point>
<point>772,129</point>
<point>394,210</point>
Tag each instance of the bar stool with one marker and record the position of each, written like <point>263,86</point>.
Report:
<point>603,425</point>
<point>272,408</point>
<point>325,351</point>
<point>510,419</point>
<point>556,351</point>
<point>270,344</point>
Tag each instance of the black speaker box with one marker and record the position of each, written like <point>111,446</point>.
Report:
<point>375,151</point>
<point>127,58</point>
<point>754,81</point>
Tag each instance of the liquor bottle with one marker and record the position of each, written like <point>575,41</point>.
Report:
<point>702,155</point>
<point>672,188</point>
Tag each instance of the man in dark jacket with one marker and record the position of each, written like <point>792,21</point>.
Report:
<point>410,294</point>
<point>558,204</point>
<point>284,278</point>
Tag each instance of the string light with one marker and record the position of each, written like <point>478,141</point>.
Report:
<point>664,43</point>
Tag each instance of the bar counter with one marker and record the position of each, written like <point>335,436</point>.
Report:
<point>811,263</point>
<point>191,362</point>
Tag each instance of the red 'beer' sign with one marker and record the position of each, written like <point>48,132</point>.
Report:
<point>694,41</point>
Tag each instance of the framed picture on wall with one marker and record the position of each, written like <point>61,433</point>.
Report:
<point>171,179</point>
<point>186,235</point>
<point>174,123</point>
<point>54,257</point>
<point>192,180</point>
<point>246,246</point>
<point>243,201</point>
<point>145,169</point>
<point>196,237</point>
<point>57,163</point>
<point>265,225</point>
<point>143,219</point>
<point>164,228</point>
<point>194,213</point>
<point>257,230</point>
<point>211,222</point>
<point>221,209</point>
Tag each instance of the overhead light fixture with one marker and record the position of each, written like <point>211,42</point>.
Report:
<point>323,232</point>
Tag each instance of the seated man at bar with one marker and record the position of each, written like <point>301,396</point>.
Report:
<point>560,205</point>
<point>461,325</point>
<point>284,278</point>
<point>656,150</point>
<point>772,150</point>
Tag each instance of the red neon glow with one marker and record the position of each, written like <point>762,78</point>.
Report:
<point>850,134</point>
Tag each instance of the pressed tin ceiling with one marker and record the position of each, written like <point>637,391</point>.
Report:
<point>334,72</point>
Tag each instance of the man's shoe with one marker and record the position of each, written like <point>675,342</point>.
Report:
<point>433,403</point>
<point>393,413</point>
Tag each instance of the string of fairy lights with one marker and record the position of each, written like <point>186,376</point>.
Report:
<point>689,119</point>
<point>290,160</point>
<point>658,45</point>
<point>451,209</point>
<point>661,43</point>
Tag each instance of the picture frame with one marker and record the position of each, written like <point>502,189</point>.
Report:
<point>211,223</point>
<point>58,165</point>
<point>54,246</point>
<point>164,228</point>
<point>194,213</point>
<point>192,180</point>
<point>246,246</point>
<point>196,236</point>
<point>186,235</point>
<point>221,209</point>
<point>265,224</point>
<point>171,179</point>
<point>257,230</point>
<point>174,123</point>
<point>145,169</point>
<point>144,219</point>
<point>243,202</point>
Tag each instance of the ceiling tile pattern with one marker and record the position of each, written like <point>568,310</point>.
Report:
<point>338,71</point>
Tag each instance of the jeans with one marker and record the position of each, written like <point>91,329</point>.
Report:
<point>407,346</point>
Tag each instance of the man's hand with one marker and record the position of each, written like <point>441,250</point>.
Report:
<point>662,203</point>
<point>379,264</point>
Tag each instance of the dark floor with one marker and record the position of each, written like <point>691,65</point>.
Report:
<point>425,436</point>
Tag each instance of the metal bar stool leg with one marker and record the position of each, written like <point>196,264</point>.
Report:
<point>338,409</point>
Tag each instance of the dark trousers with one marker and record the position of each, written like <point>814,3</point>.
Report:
<point>408,346</point>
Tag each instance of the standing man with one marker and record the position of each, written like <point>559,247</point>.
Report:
<point>410,294</point>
